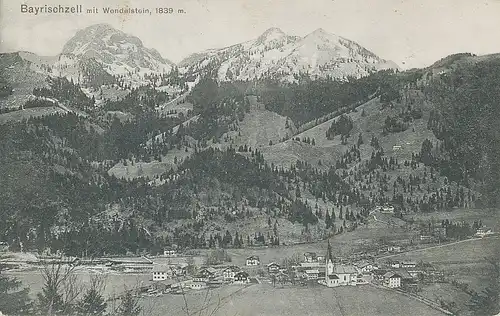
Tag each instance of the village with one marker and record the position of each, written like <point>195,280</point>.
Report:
<point>396,265</point>
<point>312,270</point>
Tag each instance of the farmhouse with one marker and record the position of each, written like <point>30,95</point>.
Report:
<point>408,264</point>
<point>196,285</point>
<point>427,238</point>
<point>252,261</point>
<point>394,249</point>
<point>161,272</point>
<point>241,278</point>
<point>387,209</point>
<point>483,231</point>
<point>392,279</point>
<point>310,257</point>
<point>312,274</point>
<point>273,267</point>
<point>415,273</point>
<point>395,264</point>
<point>205,275</point>
<point>170,252</point>
<point>365,266</point>
<point>229,273</point>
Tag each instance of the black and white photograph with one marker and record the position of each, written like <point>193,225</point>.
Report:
<point>249,157</point>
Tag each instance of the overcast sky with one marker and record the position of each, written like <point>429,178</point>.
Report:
<point>413,33</point>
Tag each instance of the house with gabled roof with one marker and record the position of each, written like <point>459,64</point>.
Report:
<point>392,279</point>
<point>229,273</point>
<point>241,278</point>
<point>161,272</point>
<point>273,268</point>
<point>365,266</point>
<point>253,261</point>
<point>310,257</point>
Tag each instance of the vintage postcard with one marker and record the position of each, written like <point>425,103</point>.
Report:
<point>249,157</point>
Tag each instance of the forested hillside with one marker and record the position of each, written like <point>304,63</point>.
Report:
<point>466,118</point>
<point>423,140</point>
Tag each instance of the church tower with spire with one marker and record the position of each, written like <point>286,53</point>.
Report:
<point>338,274</point>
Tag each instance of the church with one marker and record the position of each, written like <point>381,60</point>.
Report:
<point>339,274</point>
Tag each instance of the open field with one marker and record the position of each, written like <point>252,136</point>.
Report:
<point>448,293</point>
<point>18,116</point>
<point>263,299</point>
<point>466,251</point>
<point>115,283</point>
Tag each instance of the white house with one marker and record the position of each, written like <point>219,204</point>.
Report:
<point>252,261</point>
<point>273,267</point>
<point>205,274</point>
<point>161,272</point>
<point>196,285</point>
<point>408,264</point>
<point>392,280</point>
<point>483,231</point>
<point>241,278</point>
<point>312,274</point>
<point>365,266</point>
<point>169,252</point>
<point>387,209</point>
<point>396,264</point>
<point>229,273</point>
<point>394,248</point>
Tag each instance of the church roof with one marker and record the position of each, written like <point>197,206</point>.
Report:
<point>344,269</point>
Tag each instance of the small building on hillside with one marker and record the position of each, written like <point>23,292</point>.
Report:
<point>392,279</point>
<point>252,261</point>
<point>4,246</point>
<point>387,209</point>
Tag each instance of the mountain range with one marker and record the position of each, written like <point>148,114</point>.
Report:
<point>274,54</point>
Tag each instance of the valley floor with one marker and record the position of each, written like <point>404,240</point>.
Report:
<point>264,299</point>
